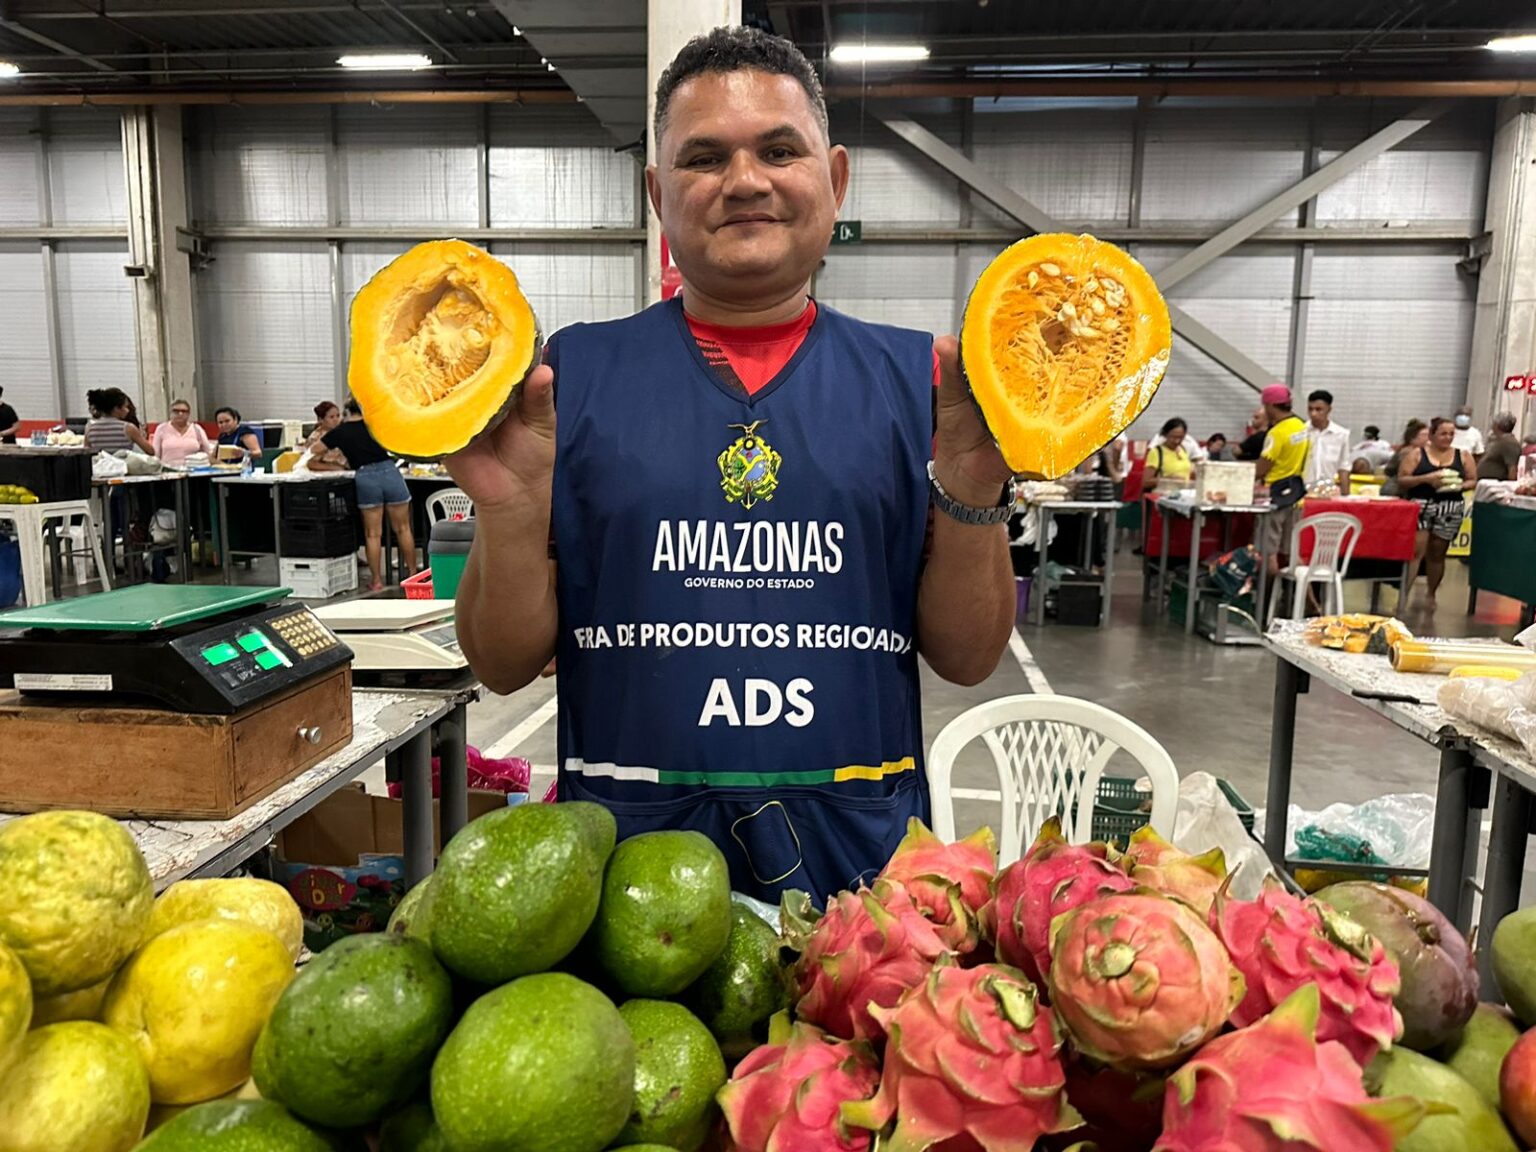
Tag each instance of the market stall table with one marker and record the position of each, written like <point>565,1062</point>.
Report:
<point>1169,506</point>
<point>1045,510</point>
<point>178,483</point>
<point>268,482</point>
<point>1504,553</point>
<point>1388,527</point>
<point>1471,760</point>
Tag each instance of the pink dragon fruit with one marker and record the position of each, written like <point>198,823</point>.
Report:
<point>1139,980</point>
<point>869,948</point>
<point>1280,942</point>
<point>1273,1087</point>
<point>1052,878</point>
<point>787,1096</point>
<point>974,1063</point>
<point>1157,864</point>
<point>935,873</point>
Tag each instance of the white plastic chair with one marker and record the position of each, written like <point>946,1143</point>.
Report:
<point>1049,752</point>
<point>1335,535</point>
<point>449,504</point>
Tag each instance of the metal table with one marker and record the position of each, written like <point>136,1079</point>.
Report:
<point>1172,505</point>
<point>1044,511</point>
<point>268,481</point>
<point>178,482</point>
<point>1471,761</point>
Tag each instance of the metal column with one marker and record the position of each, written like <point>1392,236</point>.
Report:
<point>1448,842</point>
<point>1290,682</point>
<point>452,748</point>
<point>416,791</point>
<point>1507,843</point>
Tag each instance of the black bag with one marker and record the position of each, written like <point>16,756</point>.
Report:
<point>1287,493</point>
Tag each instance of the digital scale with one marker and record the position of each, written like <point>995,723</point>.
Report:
<point>399,642</point>
<point>203,650</point>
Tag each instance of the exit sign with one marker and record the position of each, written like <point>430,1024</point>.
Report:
<point>847,232</point>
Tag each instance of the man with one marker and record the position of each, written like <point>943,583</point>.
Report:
<point>1328,455</point>
<point>1372,449</point>
<point>1502,459</point>
<point>1467,438</point>
<point>9,422</point>
<point>1216,447</point>
<point>1252,445</point>
<point>1283,466</point>
<point>736,490</point>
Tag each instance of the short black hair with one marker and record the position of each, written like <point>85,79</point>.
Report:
<point>736,49</point>
<point>1372,432</point>
<point>235,412</point>
<point>1321,394</point>
<point>1222,436</point>
<point>353,407</point>
<point>1170,425</point>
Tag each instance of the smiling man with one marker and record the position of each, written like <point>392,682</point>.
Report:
<point>722,526</point>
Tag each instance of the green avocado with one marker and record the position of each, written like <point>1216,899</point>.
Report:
<point>1467,1122</point>
<point>1478,1053</point>
<point>739,993</point>
<point>543,1064</point>
<point>353,1037</point>
<point>236,1126</point>
<point>1513,956</point>
<point>678,1070</point>
<point>413,915</point>
<point>412,1129</point>
<point>517,888</point>
<point>665,914</point>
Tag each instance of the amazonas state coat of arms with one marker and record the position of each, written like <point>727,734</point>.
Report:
<point>749,468</point>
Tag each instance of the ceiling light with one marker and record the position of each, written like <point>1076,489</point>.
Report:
<point>1526,43</point>
<point>516,31</point>
<point>877,53</point>
<point>7,70</point>
<point>386,61</point>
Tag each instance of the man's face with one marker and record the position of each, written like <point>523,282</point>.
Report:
<point>746,186</point>
<point>1318,410</point>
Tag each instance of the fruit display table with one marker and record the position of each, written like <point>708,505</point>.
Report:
<point>1476,768</point>
<point>1503,553</point>
<point>386,724</point>
<point>1045,510</point>
<point>263,482</point>
<point>1170,507</point>
<point>106,489</point>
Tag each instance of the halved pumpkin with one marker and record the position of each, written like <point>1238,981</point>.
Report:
<point>1064,342</point>
<point>441,338</point>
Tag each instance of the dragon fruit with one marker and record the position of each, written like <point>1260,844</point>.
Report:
<point>1052,878</point>
<point>1280,942</point>
<point>1155,863</point>
<point>787,1095</point>
<point>935,874</point>
<point>1139,980</point>
<point>1273,1087</point>
<point>974,1063</point>
<point>869,948</point>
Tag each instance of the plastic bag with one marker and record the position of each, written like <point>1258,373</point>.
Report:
<point>105,466</point>
<point>139,464</point>
<point>509,775</point>
<point>1505,707</point>
<point>1391,830</point>
<point>1205,819</point>
<point>162,526</point>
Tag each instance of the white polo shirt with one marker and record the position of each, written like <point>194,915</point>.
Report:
<point>1328,454</point>
<point>1469,440</point>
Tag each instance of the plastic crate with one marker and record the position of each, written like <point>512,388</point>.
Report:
<point>419,586</point>
<point>1117,808</point>
<point>319,578</point>
<point>321,538</point>
<point>319,499</point>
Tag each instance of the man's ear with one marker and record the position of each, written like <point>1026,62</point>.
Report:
<point>653,188</point>
<point>837,161</point>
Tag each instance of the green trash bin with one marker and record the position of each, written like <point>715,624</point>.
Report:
<point>447,553</point>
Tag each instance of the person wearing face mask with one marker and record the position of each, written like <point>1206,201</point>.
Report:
<point>1468,438</point>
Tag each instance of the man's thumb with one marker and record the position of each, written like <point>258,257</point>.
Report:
<point>536,404</point>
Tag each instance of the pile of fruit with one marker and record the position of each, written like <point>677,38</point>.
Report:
<point>548,990</point>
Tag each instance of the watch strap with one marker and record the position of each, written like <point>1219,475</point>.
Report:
<point>969,513</point>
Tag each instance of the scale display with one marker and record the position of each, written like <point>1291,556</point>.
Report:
<point>211,658</point>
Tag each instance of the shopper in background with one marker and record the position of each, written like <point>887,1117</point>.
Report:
<point>1217,448</point>
<point>1252,445</point>
<point>1327,443</point>
<point>327,416</point>
<point>109,428</point>
<point>1375,451</point>
<point>1436,475</point>
<point>1168,458</point>
<point>178,437</point>
<point>1283,466</point>
<point>1468,438</point>
<point>1415,435</point>
<point>232,430</point>
<point>1503,455</point>
<point>380,488</point>
<point>9,422</point>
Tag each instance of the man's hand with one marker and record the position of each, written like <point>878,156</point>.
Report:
<point>515,462</point>
<point>966,459</point>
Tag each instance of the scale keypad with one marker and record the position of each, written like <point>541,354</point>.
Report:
<point>303,633</point>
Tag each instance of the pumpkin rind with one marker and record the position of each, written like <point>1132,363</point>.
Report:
<point>1064,342</point>
<point>441,338</point>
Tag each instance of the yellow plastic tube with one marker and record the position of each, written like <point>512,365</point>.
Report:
<point>1445,656</point>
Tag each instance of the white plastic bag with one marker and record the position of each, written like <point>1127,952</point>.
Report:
<point>105,466</point>
<point>162,526</point>
<point>1205,819</point>
<point>1505,707</point>
<point>1395,828</point>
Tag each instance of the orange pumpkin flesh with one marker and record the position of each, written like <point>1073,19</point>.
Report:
<point>1064,342</point>
<point>441,338</point>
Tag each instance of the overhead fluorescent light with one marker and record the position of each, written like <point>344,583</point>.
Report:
<point>878,53</point>
<point>385,61</point>
<point>7,70</point>
<point>1526,43</point>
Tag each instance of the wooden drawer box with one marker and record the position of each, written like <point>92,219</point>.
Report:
<point>125,761</point>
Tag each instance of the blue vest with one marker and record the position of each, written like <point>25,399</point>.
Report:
<point>738,592</point>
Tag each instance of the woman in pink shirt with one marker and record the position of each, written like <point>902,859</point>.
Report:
<point>180,438</point>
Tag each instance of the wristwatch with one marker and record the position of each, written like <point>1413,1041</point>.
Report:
<point>967,513</point>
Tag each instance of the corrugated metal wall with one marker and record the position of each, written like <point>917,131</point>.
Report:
<point>1387,327</point>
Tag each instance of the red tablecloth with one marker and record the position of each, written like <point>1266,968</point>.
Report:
<point>1181,527</point>
<point>1387,527</point>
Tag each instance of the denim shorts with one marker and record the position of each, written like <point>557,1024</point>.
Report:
<point>381,483</point>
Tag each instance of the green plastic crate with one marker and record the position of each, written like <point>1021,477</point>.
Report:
<point>1117,808</point>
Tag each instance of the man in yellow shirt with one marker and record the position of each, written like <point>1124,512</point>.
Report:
<point>1283,465</point>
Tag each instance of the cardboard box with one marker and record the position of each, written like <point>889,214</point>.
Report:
<point>344,860</point>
